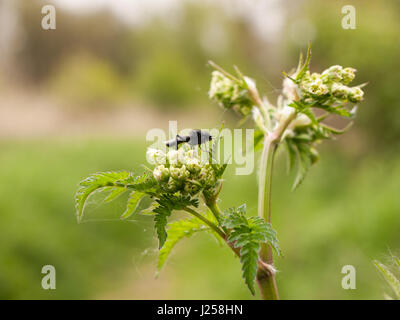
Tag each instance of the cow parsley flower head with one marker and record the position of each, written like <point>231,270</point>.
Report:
<point>230,93</point>
<point>184,172</point>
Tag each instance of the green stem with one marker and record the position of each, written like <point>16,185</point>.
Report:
<point>215,211</point>
<point>266,278</point>
<point>264,191</point>
<point>206,221</point>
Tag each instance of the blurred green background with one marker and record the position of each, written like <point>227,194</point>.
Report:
<point>80,99</point>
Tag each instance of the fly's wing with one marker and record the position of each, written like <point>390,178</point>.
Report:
<point>205,137</point>
<point>195,137</point>
<point>181,139</point>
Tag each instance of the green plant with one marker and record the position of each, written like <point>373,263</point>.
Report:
<point>181,177</point>
<point>390,277</point>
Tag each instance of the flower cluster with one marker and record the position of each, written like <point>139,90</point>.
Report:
<point>231,93</point>
<point>332,84</point>
<point>182,171</point>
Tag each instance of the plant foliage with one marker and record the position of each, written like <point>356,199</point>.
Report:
<point>247,233</point>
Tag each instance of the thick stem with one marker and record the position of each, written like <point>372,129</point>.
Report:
<point>264,191</point>
<point>265,279</point>
<point>266,283</point>
<point>266,276</point>
<point>215,211</point>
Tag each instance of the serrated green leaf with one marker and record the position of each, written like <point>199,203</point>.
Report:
<point>178,230</point>
<point>160,222</point>
<point>339,110</point>
<point>389,277</point>
<point>305,162</point>
<point>247,234</point>
<point>144,183</point>
<point>94,183</point>
<point>292,154</point>
<point>304,109</point>
<point>249,259</point>
<point>166,204</point>
<point>114,194</point>
<point>132,204</point>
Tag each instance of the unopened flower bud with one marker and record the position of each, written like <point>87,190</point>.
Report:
<point>333,73</point>
<point>173,156</point>
<point>348,75</point>
<point>355,94</point>
<point>161,173</point>
<point>339,91</point>
<point>179,173</point>
<point>191,188</point>
<point>193,165</point>
<point>173,185</point>
<point>229,93</point>
<point>317,87</point>
<point>206,176</point>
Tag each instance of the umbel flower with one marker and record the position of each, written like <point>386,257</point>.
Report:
<point>183,171</point>
<point>231,93</point>
<point>332,83</point>
<point>293,120</point>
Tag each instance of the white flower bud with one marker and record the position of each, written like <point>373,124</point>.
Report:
<point>355,94</point>
<point>340,91</point>
<point>206,176</point>
<point>161,173</point>
<point>230,93</point>
<point>173,156</point>
<point>191,188</point>
<point>174,185</point>
<point>179,173</point>
<point>333,73</point>
<point>221,87</point>
<point>348,75</point>
<point>193,165</point>
<point>317,87</point>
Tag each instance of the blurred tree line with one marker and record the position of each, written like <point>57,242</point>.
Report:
<point>97,60</point>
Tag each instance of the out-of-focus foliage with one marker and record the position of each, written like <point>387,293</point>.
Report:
<point>348,220</point>
<point>85,80</point>
<point>390,277</point>
<point>165,79</point>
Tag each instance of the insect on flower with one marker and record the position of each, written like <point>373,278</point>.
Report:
<point>196,137</point>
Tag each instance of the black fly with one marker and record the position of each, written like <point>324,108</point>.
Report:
<point>196,137</point>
